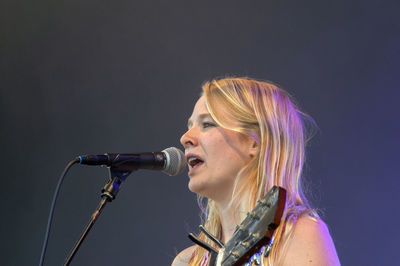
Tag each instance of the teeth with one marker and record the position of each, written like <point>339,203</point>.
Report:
<point>192,159</point>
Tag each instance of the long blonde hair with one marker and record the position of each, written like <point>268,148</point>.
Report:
<point>267,114</point>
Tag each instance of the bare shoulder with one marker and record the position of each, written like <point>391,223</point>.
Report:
<point>182,259</point>
<point>311,244</point>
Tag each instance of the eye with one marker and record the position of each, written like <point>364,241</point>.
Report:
<point>208,124</point>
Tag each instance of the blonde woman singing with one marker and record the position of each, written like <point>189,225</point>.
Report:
<point>244,137</point>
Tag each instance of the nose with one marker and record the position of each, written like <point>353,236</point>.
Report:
<point>189,138</point>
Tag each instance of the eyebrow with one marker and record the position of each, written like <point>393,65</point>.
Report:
<point>200,117</point>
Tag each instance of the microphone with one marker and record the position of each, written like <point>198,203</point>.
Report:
<point>171,161</point>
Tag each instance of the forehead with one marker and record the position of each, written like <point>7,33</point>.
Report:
<point>200,111</point>
<point>200,107</point>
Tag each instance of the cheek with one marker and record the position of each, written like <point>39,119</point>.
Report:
<point>226,162</point>
<point>225,151</point>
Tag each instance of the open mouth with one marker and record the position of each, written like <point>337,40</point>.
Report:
<point>195,162</point>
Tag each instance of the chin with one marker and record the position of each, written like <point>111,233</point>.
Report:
<point>193,186</point>
<point>197,187</point>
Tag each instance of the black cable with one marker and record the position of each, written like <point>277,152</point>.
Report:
<point>52,208</point>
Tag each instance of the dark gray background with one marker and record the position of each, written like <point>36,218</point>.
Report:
<point>81,77</point>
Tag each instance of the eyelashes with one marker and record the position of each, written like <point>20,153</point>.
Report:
<point>207,124</point>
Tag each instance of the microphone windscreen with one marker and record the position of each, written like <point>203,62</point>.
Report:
<point>175,161</point>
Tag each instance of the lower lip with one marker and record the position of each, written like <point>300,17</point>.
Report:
<point>191,172</point>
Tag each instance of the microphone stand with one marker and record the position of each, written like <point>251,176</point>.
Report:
<point>108,193</point>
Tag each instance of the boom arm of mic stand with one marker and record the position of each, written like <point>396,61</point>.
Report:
<point>109,193</point>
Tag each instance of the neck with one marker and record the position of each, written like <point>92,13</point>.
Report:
<point>228,221</point>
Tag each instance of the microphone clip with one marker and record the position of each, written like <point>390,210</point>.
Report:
<point>111,188</point>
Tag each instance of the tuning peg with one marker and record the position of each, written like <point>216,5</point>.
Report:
<point>253,216</point>
<point>240,228</point>
<point>235,254</point>
<point>245,244</point>
<point>264,203</point>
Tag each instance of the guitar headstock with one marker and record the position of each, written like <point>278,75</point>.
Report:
<point>255,231</point>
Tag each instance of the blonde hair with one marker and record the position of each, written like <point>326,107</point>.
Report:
<point>268,115</point>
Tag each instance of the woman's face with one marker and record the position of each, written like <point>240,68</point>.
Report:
<point>215,155</point>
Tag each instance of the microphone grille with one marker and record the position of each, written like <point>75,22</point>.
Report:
<point>175,162</point>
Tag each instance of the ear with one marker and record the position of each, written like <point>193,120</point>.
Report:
<point>253,147</point>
